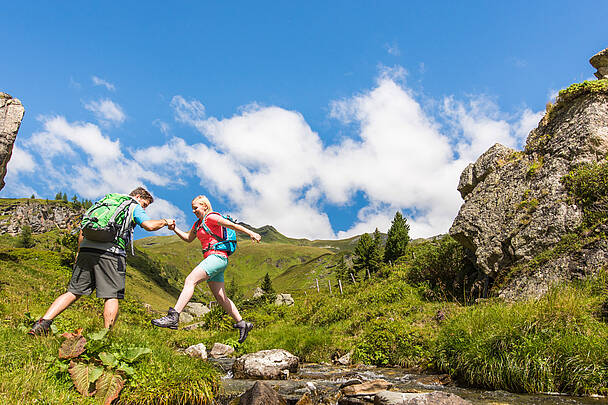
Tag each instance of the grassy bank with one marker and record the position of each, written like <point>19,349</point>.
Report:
<point>30,368</point>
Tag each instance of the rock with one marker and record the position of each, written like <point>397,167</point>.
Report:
<point>258,292</point>
<point>432,398</point>
<point>353,381</point>
<point>185,317</point>
<point>220,350</point>
<point>11,114</point>
<point>198,350</point>
<point>196,309</point>
<point>600,62</point>
<point>366,388</point>
<point>193,326</point>
<point>40,215</point>
<point>284,299</point>
<point>305,400</point>
<point>261,394</point>
<point>147,307</point>
<point>265,365</point>
<point>516,206</point>
<point>344,360</point>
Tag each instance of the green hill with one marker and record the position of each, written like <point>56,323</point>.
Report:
<point>294,265</point>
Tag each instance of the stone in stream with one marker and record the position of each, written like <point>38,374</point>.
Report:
<point>432,398</point>
<point>366,388</point>
<point>220,350</point>
<point>261,394</point>
<point>198,350</point>
<point>275,364</point>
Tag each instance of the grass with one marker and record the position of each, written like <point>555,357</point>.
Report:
<point>557,343</point>
<point>32,278</point>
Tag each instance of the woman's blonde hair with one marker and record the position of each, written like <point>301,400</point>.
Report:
<point>203,200</point>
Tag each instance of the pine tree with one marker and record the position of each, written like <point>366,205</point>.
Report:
<point>64,197</point>
<point>58,196</point>
<point>398,239</point>
<point>375,258</point>
<point>342,271</point>
<point>269,294</point>
<point>25,239</point>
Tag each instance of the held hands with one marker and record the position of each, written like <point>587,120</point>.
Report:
<point>170,224</point>
<point>255,237</point>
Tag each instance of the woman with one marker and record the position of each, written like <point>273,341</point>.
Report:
<point>211,269</point>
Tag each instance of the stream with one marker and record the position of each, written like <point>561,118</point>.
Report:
<point>322,382</point>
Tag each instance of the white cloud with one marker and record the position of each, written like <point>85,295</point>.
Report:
<point>164,127</point>
<point>393,49</point>
<point>21,161</point>
<point>106,111</point>
<point>274,168</point>
<point>79,156</point>
<point>100,82</point>
<point>164,209</point>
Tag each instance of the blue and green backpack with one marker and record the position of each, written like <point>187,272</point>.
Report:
<point>226,242</point>
<point>108,220</point>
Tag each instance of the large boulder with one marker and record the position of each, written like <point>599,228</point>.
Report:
<point>275,364</point>
<point>600,62</point>
<point>11,114</point>
<point>516,205</point>
<point>196,309</point>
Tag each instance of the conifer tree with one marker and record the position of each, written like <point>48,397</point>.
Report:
<point>398,238</point>
<point>25,239</point>
<point>368,253</point>
<point>269,293</point>
<point>64,197</point>
<point>58,196</point>
<point>342,271</point>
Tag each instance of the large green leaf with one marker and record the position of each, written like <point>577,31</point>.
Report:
<point>132,354</point>
<point>72,347</point>
<point>108,359</point>
<point>80,373</point>
<point>99,335</point>
<point>109,386</point>
<point>126,368</point>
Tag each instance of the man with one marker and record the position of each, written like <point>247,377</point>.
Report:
<point>101,266</point>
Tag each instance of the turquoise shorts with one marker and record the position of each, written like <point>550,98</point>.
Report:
<point>214,266</point>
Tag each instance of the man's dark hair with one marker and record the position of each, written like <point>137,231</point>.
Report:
<point>142,193</point>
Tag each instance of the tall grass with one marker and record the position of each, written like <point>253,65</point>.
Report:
<point>554,344</point>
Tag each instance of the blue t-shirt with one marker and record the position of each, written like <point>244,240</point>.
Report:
<point>139,215</point>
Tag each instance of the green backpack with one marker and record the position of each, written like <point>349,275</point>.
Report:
<point>108,220</point>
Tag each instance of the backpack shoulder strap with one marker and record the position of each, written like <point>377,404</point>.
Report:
<point>206,228</point>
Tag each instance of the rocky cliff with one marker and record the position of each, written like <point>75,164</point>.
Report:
<point>42,216</point>
<point>11,114</point>
<point>522,223</point>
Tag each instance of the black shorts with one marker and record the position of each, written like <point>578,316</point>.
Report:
<point>101,271</point>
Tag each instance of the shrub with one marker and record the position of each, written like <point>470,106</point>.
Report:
<point>443,267</point>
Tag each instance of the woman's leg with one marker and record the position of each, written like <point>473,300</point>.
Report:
<point>217,288</point>
<point>196,276</point>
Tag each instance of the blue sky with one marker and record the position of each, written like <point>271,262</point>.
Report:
<point>320,118</point>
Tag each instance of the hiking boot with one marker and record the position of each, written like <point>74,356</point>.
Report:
<point>244,328</point>
<point>42,327</point>
<point>171,320</point>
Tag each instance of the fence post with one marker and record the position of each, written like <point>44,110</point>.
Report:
<point>340,284</point>
<point>329,284</point>
<point>353,277</point>
<point>317,280</point>
<point>368,275</point>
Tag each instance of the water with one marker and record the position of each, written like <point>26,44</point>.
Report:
<point>324,381</point>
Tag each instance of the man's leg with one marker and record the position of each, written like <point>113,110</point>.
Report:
<point>43,325</point>
<point>110,312</point>
<point>60,304</point>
